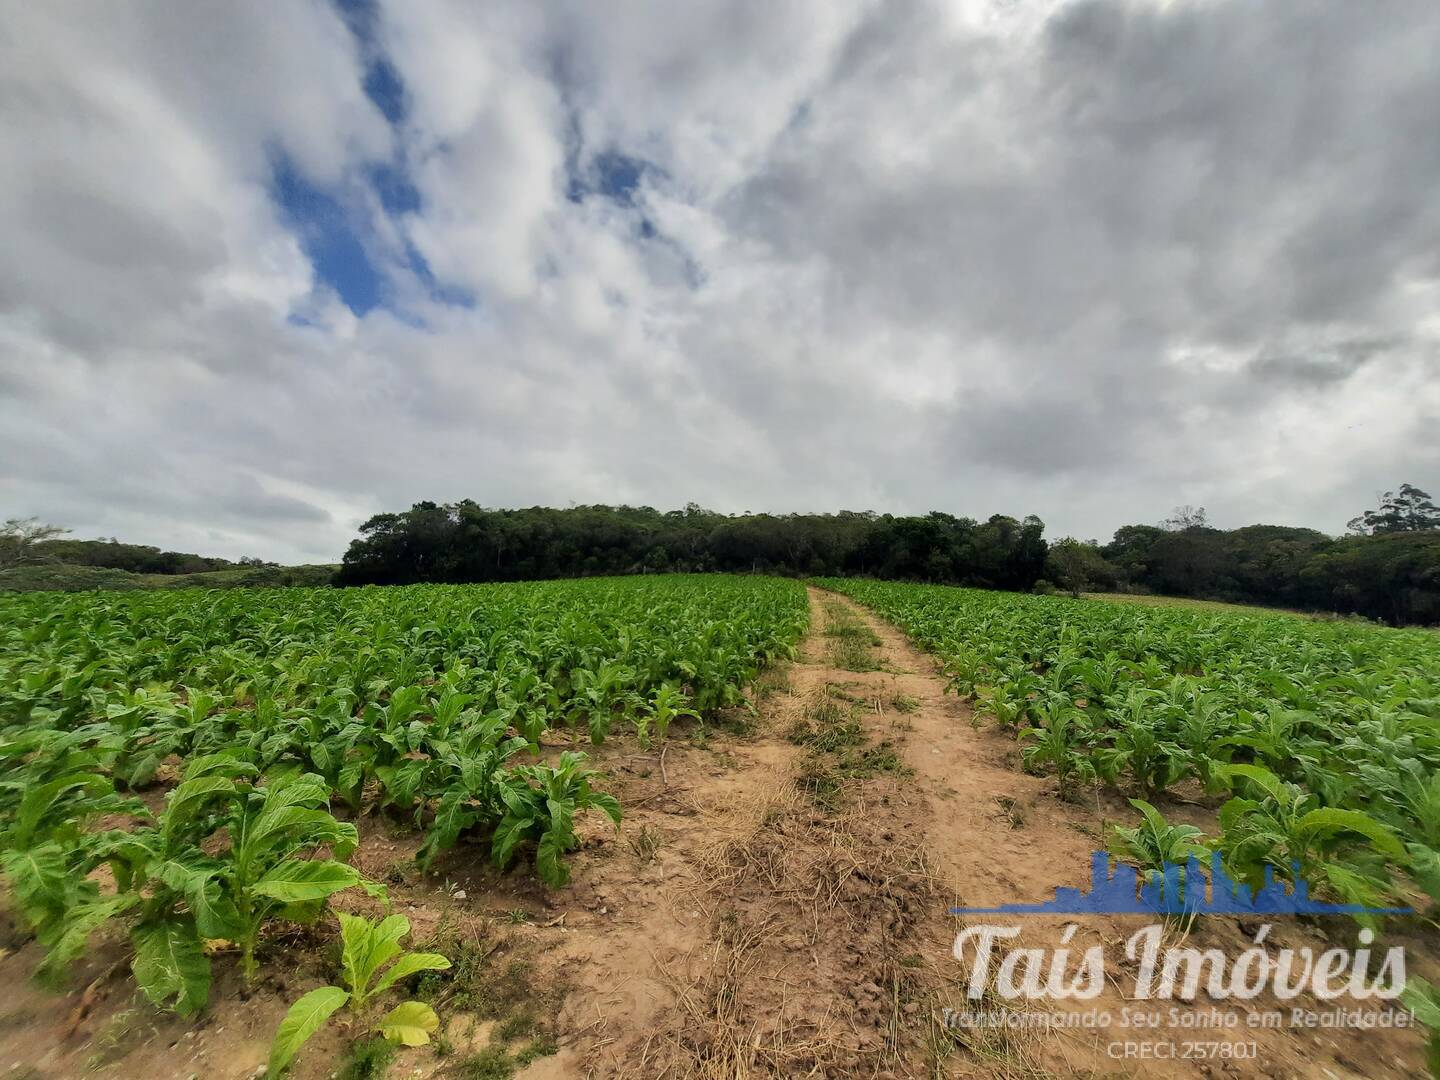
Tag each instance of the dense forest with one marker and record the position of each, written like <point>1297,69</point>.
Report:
<point>1389,569</point>
<point>466,542</point>
<point>1390,576</point>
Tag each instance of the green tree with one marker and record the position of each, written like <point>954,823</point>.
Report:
<point>1076,566</point>
<point>1406,510</point>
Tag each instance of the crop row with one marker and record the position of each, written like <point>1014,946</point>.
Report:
<point>1325,736</point>
<point>254,710</point>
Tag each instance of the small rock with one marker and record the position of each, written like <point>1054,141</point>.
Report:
<point>459,894</point>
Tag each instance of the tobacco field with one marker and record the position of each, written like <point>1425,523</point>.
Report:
<point>1321,740</point>
<point>274,720</point>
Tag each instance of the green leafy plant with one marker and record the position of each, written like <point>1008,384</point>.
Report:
<point>1155,842</point>
<point>181,887</point>
<point>667,704</point>
<point>367,970</point>
<point>1284,828</point>
<point>1059,743</point>
<point>1423,1000</point>
<point>465,779</point>
<point>540,806</point>
<point>1138,751</point>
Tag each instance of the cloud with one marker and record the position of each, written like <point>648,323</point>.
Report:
<point>1085,259</point>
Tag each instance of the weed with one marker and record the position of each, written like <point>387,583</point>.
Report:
<point>492,1063</point>
<point>543,1046</point>
<point>844,625</point>
<point>644,844</point>
<point>851,641</point>
<point>853,655</point>
<point>772,681</point>
<point>440,1044</point>
<point>367,1059</point>
<point>1012,810</point>
<point>740,722</point>
<point>818,778</point>
<point>904,703</point>
<point>872,761</point>
<point>827,726</point>
<point>109,1045</point>
<point>516,1026</point>
<point>836,736</point>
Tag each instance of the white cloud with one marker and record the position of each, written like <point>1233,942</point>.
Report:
<point>1087,262</point>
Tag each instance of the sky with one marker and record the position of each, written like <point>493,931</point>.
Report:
<point>262,277</point>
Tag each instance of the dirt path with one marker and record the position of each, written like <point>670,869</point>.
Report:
<point>777,928</point>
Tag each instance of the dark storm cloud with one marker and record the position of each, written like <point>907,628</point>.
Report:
<point>1324,363</point>
<point>1088,259</point>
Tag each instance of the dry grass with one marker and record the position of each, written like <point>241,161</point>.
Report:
<point>851,643</point>
<point>807,971</point>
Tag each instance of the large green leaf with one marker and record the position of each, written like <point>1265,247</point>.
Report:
<point>68,939</point>
<point>1423,1000</point>
<point>296,825</point>
<point>214,911</point>
<point>368,947</point>
<point>298,880</point>
<point>454,814</point>
<point>1425,869</point>
<point>1258,775</point>
<point>169,963</point>
<point>187,800</point>
<point>221,763</point>
<point>410,1023</point>
<point>606,803</point>
<point>303,1019</point>
<point>550,859</point>
<point>507,837</point>
<point>408,965</point>
<point>1332,819</point>
<point>38,879</point>
<point>39,799</point>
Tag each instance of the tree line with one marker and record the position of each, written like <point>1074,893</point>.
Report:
<point>464,541</point>
<point>29,541</point>
<point>1388,568</point>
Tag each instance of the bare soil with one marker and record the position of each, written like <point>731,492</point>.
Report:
<point>776,904</point>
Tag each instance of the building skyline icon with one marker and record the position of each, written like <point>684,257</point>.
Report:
<point>1180,889</point>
